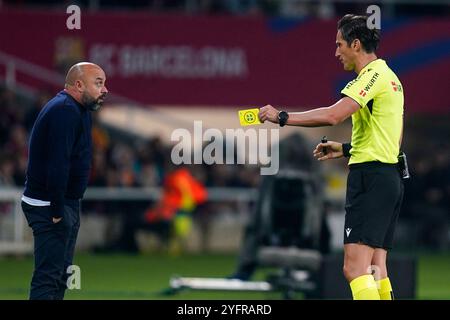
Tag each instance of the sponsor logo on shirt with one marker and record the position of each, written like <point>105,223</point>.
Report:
<point>372,81</point>
<point>396,87</point>
<point>350,83</point>
<point>368,85</point>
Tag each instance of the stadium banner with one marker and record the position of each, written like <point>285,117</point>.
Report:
<point>223,60</point>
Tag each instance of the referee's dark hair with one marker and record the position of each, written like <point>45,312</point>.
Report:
<point>355,27</point>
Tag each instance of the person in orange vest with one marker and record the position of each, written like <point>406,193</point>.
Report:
<point>182,193</point>
<point>170,218</point>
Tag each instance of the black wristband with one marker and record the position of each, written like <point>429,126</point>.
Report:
<point>346,149</point>
<point>283,117</point>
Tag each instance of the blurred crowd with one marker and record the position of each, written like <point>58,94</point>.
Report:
<point>123,161</point>
<point>426,209</point>
<point>284,8</point>
<point>119,160</point>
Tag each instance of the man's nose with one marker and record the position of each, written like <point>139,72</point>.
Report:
<point>337,54</point>
<point>105,90</point>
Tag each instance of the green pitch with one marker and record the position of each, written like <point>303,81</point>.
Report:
<point>147,276</point>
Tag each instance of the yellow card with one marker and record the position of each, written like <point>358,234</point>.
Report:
<point>249,117</point>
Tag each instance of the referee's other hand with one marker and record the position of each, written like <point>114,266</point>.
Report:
<point>268,113</point>
<point>334,151</point>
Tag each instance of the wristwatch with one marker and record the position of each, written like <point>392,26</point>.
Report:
<point>283,117</point>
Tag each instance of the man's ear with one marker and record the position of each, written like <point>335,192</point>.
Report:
<point>356,44</point>
<point>79,85</point>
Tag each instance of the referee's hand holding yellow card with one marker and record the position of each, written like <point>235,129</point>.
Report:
<point>249,117</point>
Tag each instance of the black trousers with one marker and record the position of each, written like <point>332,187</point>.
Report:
<point>54,247</point>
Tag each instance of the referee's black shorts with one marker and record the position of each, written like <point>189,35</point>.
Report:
<point>373,201</point>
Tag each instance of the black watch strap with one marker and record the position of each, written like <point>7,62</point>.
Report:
<point>346,149</point>
<point>283,117</point>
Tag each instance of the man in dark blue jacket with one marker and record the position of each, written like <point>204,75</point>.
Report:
<point>60,152</point>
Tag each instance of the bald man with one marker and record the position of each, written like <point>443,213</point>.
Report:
<point>60,152</point>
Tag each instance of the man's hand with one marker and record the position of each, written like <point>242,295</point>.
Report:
<point>334,151</point>
<point>56,220</point>
<point>268,113</point>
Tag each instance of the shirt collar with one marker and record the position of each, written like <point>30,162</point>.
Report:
<point>371,64</point>
<point>82,108</point>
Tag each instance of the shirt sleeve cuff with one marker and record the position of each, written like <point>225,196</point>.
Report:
<point>358,101</point>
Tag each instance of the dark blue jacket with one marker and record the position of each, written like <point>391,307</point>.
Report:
<point>60,152</point>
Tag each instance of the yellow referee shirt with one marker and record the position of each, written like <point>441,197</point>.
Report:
<point>377,125</point>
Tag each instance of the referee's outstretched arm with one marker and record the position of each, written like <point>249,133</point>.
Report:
<point>319,117</point>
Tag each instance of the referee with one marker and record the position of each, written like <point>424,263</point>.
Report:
<point>374,99</point>
<point>60,153</point>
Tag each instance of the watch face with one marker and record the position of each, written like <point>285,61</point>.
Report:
<point>282,118</point>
